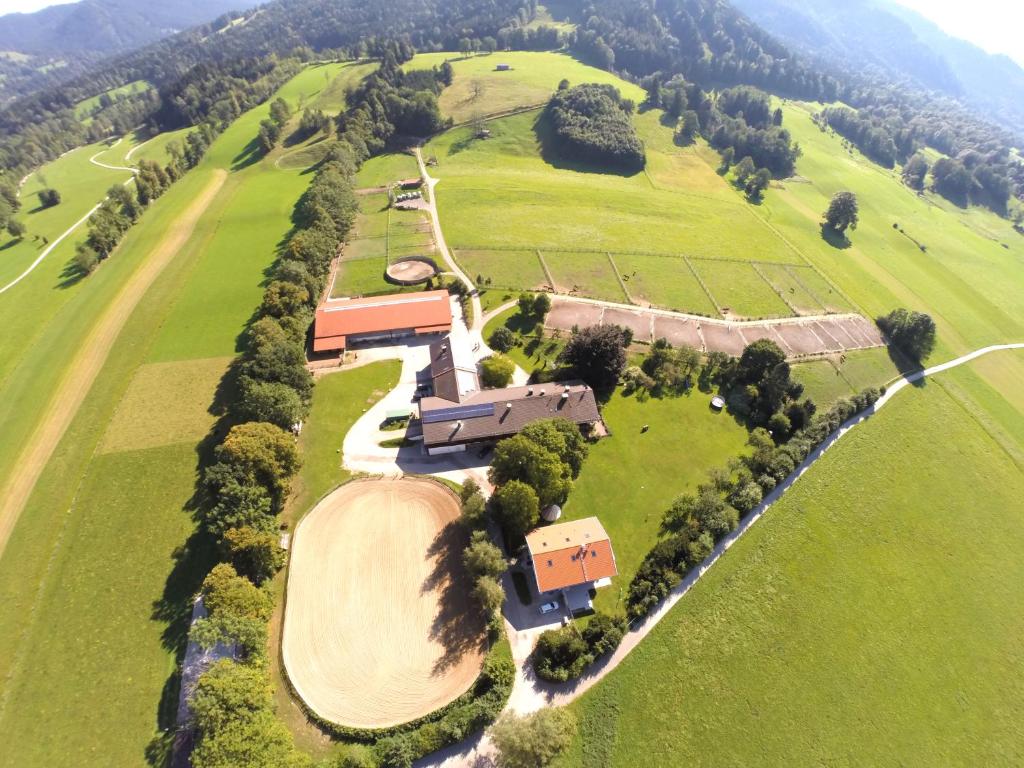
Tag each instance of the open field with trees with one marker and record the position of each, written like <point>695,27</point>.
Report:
<point>82,524</point>
<point>865,595</point>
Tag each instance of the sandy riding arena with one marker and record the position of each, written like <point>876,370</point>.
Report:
<point>411,271</point>
<point>379,628</point>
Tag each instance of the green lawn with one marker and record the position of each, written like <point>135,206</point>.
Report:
<point>664,281</point>
<point>739,290</point>
<point>81,185</point>
<point>386,169</point>
<point>533,352</point>
<point>873,617</point>
<point>630,478</point>
<point>584,274</point>
<point>96,580</point>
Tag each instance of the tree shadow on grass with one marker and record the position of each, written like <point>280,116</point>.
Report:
<point>836,239</point>
<point>457,616</point>
<point>905,364</point>
<point>249,155</point>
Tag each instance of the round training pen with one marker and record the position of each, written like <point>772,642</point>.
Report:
<point>411,270</point>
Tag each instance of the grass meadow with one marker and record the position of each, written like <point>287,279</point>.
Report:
<point>874,607</point>
<point>630,478</point>
<point>85,108</point>
<point>105,560</point>
<point>478,89</point>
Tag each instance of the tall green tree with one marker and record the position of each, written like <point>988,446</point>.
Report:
<point>842,212</point>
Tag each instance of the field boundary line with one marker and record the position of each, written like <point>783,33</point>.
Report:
<point>802,284</point>
<point>771,285</point>
<point>700,280</point>
<point>618,276</point>
<point>547,271</point>
<point>83,369</point>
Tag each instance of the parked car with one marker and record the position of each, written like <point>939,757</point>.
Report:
<point>549,607</point>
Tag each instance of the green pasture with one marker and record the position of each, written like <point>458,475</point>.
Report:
<point>872,617</point>
<point>584,274</point>
<point>104,557</point>
<point>386,169</point>
<point>478,89</point>
<point>967,279</point>
<point>501,193</point>
<point>664,281</point>
<point>81,185</point>
<point>505,268</point>
<point>739,290</point>
<point>631,477</point>
<point>85,108</point>
<point>827,379</point>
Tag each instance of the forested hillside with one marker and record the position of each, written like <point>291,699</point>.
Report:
<point>892,42</point>
<point>58,43</point>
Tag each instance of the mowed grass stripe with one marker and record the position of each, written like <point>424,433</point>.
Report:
<point>90,359</point>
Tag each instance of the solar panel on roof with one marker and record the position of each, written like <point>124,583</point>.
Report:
<point>458,412</point>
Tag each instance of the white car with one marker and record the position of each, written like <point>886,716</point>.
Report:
<point>549,607</point>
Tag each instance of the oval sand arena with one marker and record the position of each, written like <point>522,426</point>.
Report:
<point>379,628</point>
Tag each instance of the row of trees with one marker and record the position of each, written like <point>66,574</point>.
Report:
<point>592,123</point>
<point>271,127</point>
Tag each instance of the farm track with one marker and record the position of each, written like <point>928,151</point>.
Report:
<point>531,694</point>
<point>87,363</point>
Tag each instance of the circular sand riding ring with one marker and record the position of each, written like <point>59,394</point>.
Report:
<point>411,270</point>
<point>379,627</point>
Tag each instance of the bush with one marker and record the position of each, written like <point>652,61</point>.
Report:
<point>912,332</point>
<point>561,654</point>
<point>603,634</point>
<point>502,340</point>
<point>535,740</point>
<point>496,371</point>
<point>49,198</point>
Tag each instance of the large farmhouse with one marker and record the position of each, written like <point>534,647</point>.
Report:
<point>341,322</point>
<point>460,413</point>
<point>571,559</point>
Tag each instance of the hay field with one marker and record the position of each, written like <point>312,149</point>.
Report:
<point>378,627</point>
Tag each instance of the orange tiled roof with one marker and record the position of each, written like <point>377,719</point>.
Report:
<point>336,319</point>
<point>569,554</point>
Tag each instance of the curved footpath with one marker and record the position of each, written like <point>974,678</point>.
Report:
<point>530,694</point>
<point>57,241</point>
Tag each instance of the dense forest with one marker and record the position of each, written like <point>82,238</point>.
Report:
<point>592,123</point>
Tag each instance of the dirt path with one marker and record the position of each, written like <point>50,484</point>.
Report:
<point>101,164</point>
<point>442,246</point>
<point>82,370</point>
<point>530,694</point>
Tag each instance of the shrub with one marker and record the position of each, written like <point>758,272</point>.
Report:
<point>502,339</point>
<point>603,634</point>
<point>535,740</point>
<point>496,371</point>
<point>516,508</point>
<point>561,654</point>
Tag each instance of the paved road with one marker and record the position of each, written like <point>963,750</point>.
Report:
<point>530,694</point>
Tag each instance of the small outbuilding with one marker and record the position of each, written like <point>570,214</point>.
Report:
<point>503,68</point>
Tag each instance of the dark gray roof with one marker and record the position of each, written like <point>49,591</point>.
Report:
<point>445,369</point>
<point>514,408</point>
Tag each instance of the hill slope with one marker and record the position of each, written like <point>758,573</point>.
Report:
<point>63,40</point>
<point>895,42</point>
